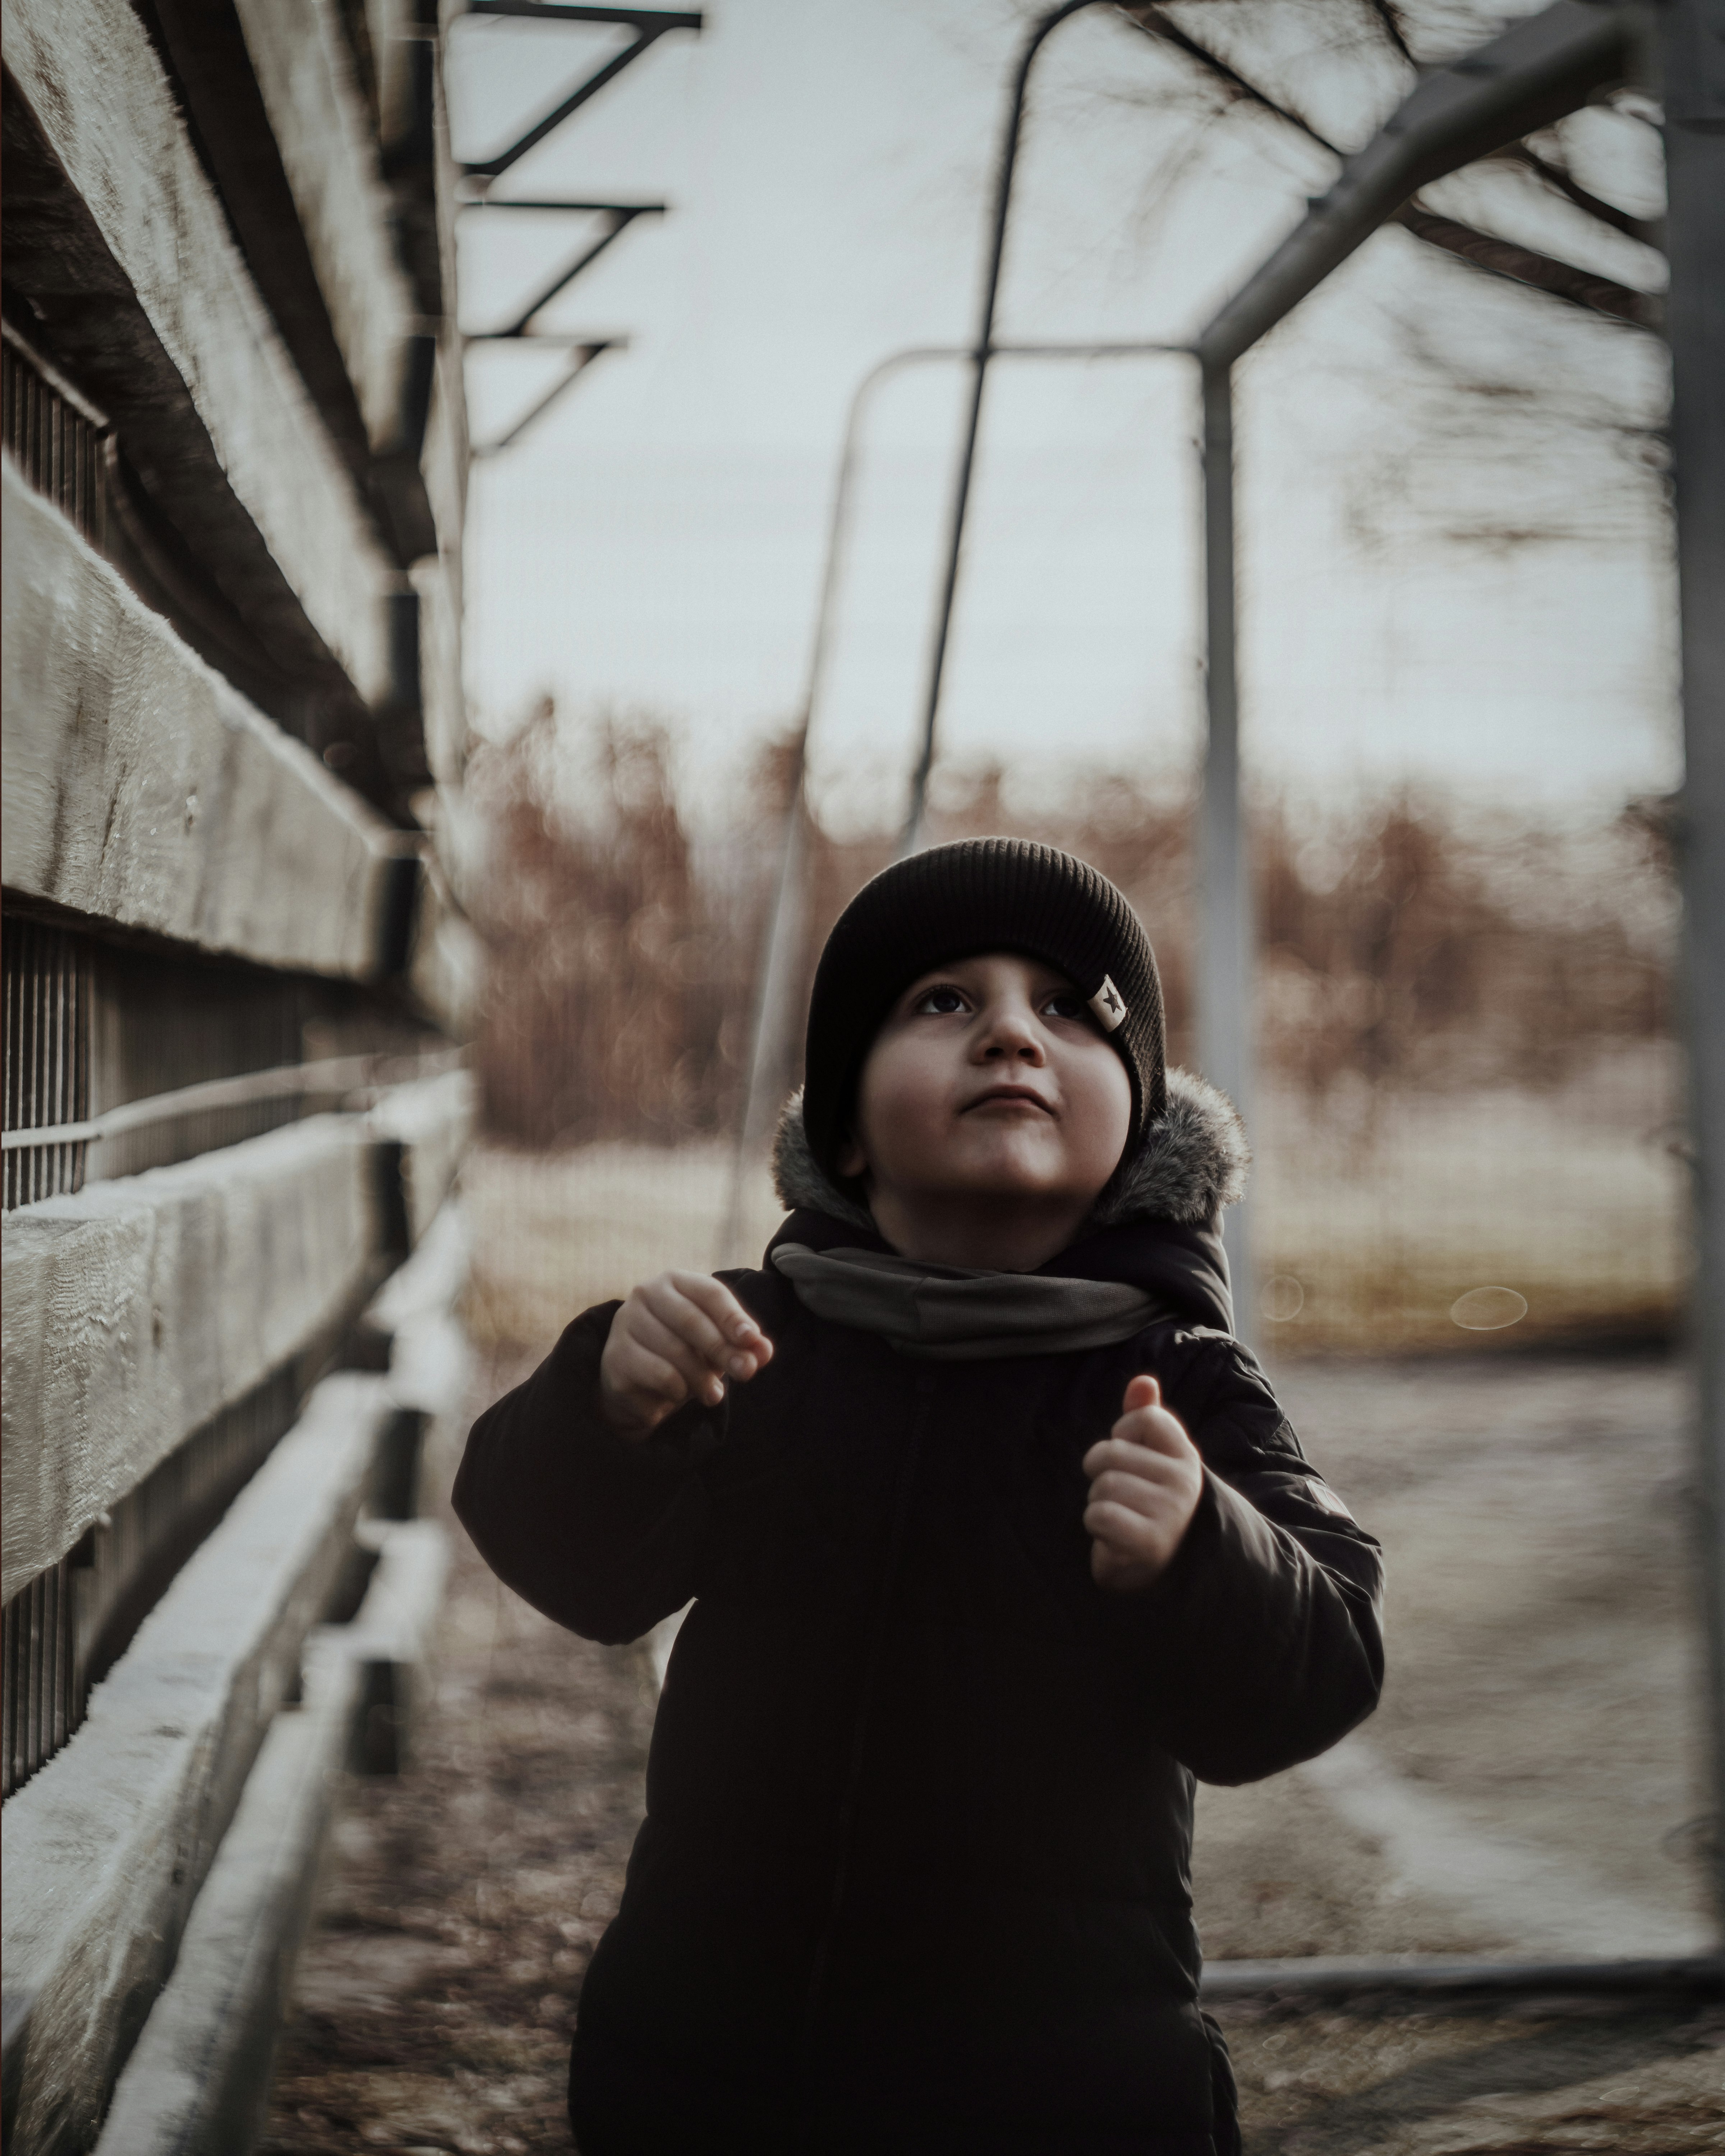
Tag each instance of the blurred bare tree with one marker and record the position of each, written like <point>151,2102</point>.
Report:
<point>1298,63</point>
<point>1573,214</point>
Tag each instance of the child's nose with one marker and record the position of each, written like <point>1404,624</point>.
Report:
<point>1013,1033</point>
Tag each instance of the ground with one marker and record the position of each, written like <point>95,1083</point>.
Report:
<point>1530,1787</point>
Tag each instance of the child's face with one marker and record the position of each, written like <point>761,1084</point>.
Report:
<point>990,1078</point>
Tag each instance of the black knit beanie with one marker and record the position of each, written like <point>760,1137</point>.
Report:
<point>950,903</point>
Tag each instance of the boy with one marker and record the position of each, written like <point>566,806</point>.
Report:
<point>997,1539</point>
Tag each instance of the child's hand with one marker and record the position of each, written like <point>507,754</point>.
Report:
<point>677,1338</point>
<point>1145,1480</point>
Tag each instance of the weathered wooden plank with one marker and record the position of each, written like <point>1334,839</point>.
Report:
<point>430,1360</point>
<point>444,460</point>
<point>203,47</point>
<point>442,698</point>
<point>393,1623</point>
<point>142,789</point>
<point>106,1848</point>
<point>198,2082</point>
<point>430,1285</point>
<point>137,1309</point>
<point>462,847</point>
<point>91,80</point>
<point>431,1120</point>
<point>445,963</point>
<point>299,56</point>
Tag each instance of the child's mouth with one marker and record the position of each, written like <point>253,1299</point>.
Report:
<point>1008,1096</point>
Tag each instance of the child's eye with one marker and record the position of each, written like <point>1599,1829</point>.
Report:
<point>1064,1006</point>
<point>939,1003</point>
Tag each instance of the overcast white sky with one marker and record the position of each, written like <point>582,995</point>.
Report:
<point>1436,582</point>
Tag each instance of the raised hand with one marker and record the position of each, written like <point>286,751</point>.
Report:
<point>1145,1480</point>
<point>678,1337</point>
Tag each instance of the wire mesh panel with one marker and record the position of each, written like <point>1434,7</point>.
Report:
<point>56,436</point>
<point>65,1631</point>
<point>46,995</point>
<point>159,1023</point>
<point>38,1673</point>
<point>91,1026</point>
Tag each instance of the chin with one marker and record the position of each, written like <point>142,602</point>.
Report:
<point>1007,1175</point>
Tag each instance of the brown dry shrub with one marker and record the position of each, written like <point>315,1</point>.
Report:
<point>1412,948</point>
<point>606,983</point>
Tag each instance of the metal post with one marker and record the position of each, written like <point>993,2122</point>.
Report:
<point>910,838</point>
<point>1534,72</point>
<point>782,935</point>
<point>1225,971</point>
<point>1694,71</point>
<point>780,939</point>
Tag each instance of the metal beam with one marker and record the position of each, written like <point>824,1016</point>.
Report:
<point>616,210</point>
<point>620,216</point>
<point>1532,75</point>
<point>1461,1976</point>
<point>649,25</point>
<point>1226,971</point>
<point>656,20</point>
<point>586,353</point>
<point>1693,65</point>
<point>982,351</point>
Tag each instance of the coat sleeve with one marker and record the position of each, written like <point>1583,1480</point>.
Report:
<point>1267,1628</point>
<point>600,1531</point>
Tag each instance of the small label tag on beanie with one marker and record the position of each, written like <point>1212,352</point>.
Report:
<point>1109,1005</point>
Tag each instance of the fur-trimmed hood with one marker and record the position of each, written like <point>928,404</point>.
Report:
<point>1193,1162</point>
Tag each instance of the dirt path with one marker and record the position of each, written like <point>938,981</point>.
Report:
<point>1533,1515</point>
<point>436,1993</point>
<point>1540,2077</point>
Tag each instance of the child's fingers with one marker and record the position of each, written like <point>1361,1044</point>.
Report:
<point>661,1303</point>
<point>1151,1429</point>
<point>708,1319</point>
<point>679,1337</point>
<point>1146,1478</point>
<point>649,1332</point>
<point>1135,1528</point>
<point>1147,1435</point>
<point>1121,1526</point>
<point>1120,1571</point>
<point>1129,1539</point>
<point>637,1375</point>
<point>721,1309</point>
<point>1144,1494</point>
<point>1144,1420</point>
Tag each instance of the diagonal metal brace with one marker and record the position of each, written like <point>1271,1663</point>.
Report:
<point>649,24</point>
<point>583,358</point>
<point>618,217</point>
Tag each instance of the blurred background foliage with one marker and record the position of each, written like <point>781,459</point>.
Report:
<point>1468,1071</point>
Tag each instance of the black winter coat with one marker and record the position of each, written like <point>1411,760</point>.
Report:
<point>915,1869</point>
